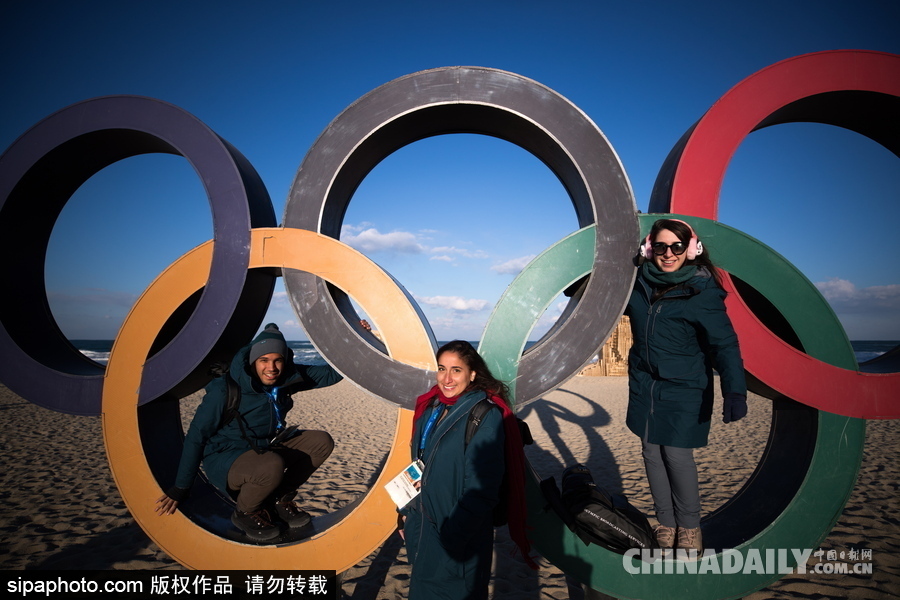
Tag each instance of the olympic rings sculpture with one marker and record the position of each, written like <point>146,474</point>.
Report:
<point>209,302</point>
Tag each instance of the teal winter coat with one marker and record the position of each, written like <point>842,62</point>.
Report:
<point>217,448</point>
<point>449,527</point>
<point>678,340</point>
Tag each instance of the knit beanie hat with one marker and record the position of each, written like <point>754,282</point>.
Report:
<point>268,341</point>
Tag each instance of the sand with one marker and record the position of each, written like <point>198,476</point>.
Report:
<point>61,508</point>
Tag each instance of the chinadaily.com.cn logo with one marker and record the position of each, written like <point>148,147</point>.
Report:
<point>769,561</point>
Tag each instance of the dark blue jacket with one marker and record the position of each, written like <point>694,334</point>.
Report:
<point>218,447</point>
<point>678,340</point>
<point>449,527</point>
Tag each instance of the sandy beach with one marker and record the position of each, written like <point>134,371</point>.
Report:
<point>61,508</point>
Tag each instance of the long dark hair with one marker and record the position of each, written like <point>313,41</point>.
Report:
<point>683,232</point>
<point>484,379</point>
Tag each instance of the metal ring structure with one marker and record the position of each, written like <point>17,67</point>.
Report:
<point>198,536</point>
<point>42,170</point>
<point>775,507</point>
<point>528,296</point>
<point>804,476</point>
<point>857,90</point>
<point>466,100</point>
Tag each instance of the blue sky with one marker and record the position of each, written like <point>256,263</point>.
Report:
<point>452,217</point>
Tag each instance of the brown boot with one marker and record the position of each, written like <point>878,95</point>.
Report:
<point>257,525</point>
<point>690,541</point>
<point>291,513</point>
<point>665,538</point>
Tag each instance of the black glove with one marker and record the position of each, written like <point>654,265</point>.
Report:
<point>178,494</point>
<point>735,407</point>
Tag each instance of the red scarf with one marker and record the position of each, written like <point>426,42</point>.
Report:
<point>515,466</point>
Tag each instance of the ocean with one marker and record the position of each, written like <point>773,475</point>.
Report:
<point>98,351</point>
<point>305,353</point>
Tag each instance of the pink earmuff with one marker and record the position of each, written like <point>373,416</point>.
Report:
<point>695,246</point>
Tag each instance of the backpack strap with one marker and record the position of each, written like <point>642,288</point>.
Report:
<point>219,369</point>
<point>476,416</point>
<point>233,402</point>
<point>232,411</point>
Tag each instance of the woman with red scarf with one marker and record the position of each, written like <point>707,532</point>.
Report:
<point>448,527</point>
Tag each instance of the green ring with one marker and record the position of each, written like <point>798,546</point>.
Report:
<point>831,475</point>
<point>527,297</point>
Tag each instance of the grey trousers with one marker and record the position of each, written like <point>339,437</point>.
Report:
<point>277,474</point>
<point>672,474</point>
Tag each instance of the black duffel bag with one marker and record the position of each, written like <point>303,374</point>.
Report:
<point>598,516</point>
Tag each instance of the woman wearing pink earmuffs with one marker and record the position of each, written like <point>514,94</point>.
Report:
<point>681,333</point>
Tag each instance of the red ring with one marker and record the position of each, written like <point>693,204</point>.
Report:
<point>799,89</point>
<point>822,386</point>
<point>858,90</point>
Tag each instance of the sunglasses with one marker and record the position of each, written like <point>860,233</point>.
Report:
<point>659,248</point>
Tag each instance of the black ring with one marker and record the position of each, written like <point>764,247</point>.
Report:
<point>38,175</point>
<point>466,100</point>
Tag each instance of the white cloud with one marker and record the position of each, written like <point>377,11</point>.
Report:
<point>366,238</point>
<point>348,229</point>
<point>460,251</point>
<point>456,303</point>
<point>845,297</point>
<point>280,300</point>
<point>513,266</point>
<point>372,240</point>
<point>548,319</point>
<point>291,330</point>
<point>462,326</point>
<point>871,313</point>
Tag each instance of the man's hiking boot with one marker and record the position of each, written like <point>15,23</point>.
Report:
<point>256,525</point>
<point>292,514</point>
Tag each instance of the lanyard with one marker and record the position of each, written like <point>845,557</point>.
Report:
<point>279,418</point>
<point>435,414</point>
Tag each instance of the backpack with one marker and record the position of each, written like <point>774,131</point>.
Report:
<point>597,516</point>
<point>476,416</point>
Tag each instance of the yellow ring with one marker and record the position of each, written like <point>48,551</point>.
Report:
<point>369,523</point>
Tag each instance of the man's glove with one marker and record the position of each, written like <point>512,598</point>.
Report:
<point>178,494</point>
<point>735,407</point>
